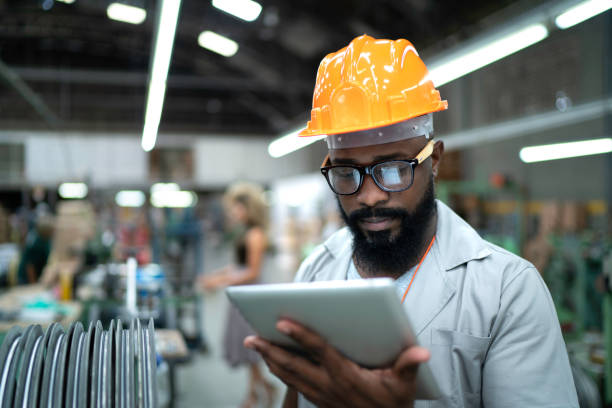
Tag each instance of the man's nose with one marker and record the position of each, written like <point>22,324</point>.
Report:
<point>370,194</point>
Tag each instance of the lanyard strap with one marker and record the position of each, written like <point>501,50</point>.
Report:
<point>418,266</point>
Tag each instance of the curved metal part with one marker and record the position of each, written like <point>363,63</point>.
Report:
<point>95,366</point>
<point>21,373</point>
<point>83,390</point>
<point>59,383</point>
<point>13,360</point>
<point>101,356</point>
<point>150,330</point>
<point>30,398</point>
<point>51,354</point>
<point>33,342</point>
<point>104,370</point>
<point>73,365</point>
<point>53,380</point>
<point>145,358</point>
<point>52,327</point>
<point>61,375</point>
<point>8,347</point>
<point>130,365</point>
<point>108,383</point>
<point>140,359</point>
<point>119,366</point>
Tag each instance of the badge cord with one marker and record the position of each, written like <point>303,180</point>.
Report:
<point>418,266</point>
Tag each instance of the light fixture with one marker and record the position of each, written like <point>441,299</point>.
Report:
<point>291,142</point>
<point>466,62</point>
<point>73,190</point>
<point>217,43</point>
<point>164,40</point>
<point>125,13</point>
<point>130,198</point>
<point>66,1</point>
<point>247,10</point>
<point>581,12</point>
<point>532,154</point>
<point>164,187</point>
<point>173,199</point>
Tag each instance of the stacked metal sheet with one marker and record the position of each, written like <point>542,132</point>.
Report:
<point>97,368</point>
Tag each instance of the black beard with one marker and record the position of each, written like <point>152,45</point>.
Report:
<point>378,252</point>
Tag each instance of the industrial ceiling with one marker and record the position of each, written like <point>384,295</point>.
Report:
<point>87,72</point>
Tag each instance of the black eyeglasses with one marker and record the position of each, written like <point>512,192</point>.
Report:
<point>392,176</point>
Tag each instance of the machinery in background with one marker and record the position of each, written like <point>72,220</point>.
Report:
<point>79,368</point>
<point>607,326</point>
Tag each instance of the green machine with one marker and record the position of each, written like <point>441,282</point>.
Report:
<point>607,323</point>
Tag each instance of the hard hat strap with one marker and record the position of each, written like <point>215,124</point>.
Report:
<point>415,127</point>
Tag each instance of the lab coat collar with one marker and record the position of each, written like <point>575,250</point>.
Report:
<point>457,242</point>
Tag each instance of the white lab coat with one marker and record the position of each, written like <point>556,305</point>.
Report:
<point>484,313</point>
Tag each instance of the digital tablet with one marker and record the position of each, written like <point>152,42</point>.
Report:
<point>363,319</point>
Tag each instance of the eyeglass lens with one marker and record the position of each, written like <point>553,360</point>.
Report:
<point>344,180</point>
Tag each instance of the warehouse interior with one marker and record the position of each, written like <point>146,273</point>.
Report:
<point>112,167</point>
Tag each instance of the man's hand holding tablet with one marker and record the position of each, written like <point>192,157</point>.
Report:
<point>356,347</point>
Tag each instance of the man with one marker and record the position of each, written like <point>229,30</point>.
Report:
<point>36,251</point>
<point>483,316</point>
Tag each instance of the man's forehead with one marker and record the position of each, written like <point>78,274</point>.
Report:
<point>405,149</point>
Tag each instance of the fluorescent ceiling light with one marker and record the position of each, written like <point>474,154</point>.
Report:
<point>173,199</point>
<point>162,53</point>
<point>73,190</point>
<point>532,154</point>
<point>291,142</point>
<point>247,10</point>
<point>66,1</point>
<point>125,13</point>
<point>495,50</point>
<point>130,198</point>
<point>582,12</point>
<point>164,187</point>
<point>217,43</point>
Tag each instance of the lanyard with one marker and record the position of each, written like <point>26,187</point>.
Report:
<point>418,266</point>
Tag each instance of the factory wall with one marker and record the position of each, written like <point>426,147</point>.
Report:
<point>565,71</point>
<point>118,160</point>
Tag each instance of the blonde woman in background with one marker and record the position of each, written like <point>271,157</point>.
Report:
<point>248,213</point>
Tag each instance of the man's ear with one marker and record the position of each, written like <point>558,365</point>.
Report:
<point>436,156</point>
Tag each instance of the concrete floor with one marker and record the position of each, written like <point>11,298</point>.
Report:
<point>207,381</point>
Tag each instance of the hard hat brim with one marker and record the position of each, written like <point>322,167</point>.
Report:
<point>441,105</point>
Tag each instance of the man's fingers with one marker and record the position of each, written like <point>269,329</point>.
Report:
<point>289,362</point>
<point>344,372</point>
<point>314,344</point>
<point>295,371</point>
<point>409,360</point>
<point>295,381</point>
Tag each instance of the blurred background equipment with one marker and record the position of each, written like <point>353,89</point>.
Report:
<point>123,122</point>
<point>78,367</point>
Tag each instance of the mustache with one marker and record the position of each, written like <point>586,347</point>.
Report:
<point>369,212</point>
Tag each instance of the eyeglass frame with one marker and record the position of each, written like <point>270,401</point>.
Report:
<point>367,170</point>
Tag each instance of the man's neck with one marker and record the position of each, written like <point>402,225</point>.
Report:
<point>427,238</point>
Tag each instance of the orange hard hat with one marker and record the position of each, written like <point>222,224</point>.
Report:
<point>368,84</point>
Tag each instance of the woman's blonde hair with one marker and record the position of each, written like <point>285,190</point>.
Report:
<point>251,196</point>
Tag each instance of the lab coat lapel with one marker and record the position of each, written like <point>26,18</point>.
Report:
<point>430,292</point>
<point>434,286</point>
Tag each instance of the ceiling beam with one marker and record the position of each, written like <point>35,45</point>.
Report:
<point>32,98</point>
<point>139,79</point>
